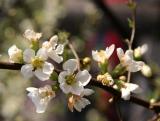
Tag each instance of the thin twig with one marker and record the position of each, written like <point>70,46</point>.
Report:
<point>75,54</point>
<point>94,82</point>
<point>132,37</point>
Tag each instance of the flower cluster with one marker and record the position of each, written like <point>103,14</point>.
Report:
<point>35,63</point>
<point>72,80</point>
<point>127,63</point>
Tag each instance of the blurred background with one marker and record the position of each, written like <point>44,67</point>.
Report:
<point>92,24</point>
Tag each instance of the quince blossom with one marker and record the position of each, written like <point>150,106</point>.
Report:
<point>127,60</point>
<point>31,35</point>
<point>53,49</point>
<point>72,82</point>
<point>41,97</point>
<point>15,54</point>
<point>79,102</point>
<point>102,55</point>
<point>36,64</point>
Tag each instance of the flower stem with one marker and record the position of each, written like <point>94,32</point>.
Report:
<point>132,35</point>
<point>75,54</point>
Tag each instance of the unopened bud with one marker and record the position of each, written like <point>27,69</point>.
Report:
<point>146,71</point>
<point>86,61</point>
<point>123,78</point>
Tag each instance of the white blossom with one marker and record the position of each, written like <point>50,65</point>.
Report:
<point>41,97</point>
<point>127,88</point>
<point>72,82</point>
<point>79,102</point>
<point>103,55</point>
<point>127,60</point>
<point>15,54</point>
<point>36,64</point>
<point>53,49</point>
<point>31,35</point>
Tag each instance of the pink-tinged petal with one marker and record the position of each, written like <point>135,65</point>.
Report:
<point>27,70</point>
<point>84,77</point>
<point>41,75</point>
<point>70,65</point>
<point>109,51</point>
<point>48,68</point>
<point>28,55</point>
<point>52,54</point>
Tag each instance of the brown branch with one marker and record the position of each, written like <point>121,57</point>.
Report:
<point>154,107</point>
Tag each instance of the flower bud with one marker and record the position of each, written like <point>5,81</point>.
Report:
<point>146,71</point>
<point>15,54</point>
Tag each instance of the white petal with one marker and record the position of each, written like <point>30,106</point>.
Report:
<point>41,108</point>
<point>125,94</point>
<point>85,102</point>
<point>129,54</point>
<point>52,54</point>
<point>62,75</point>
<point>28,54</point>
<point>41,75</point>
<point>31,89</point>
<point>70,65</point>
<point>40,105</point>
<point>26,70</point>
<point>59,49</point>
<point>95,55</point>
<point>65,88</point>
<point>53,41</point>
<point>77,106</point>
<point>84,77</point>
<point>81,103</point>
<point>48,68</point>
<point>109,51</point>
<point>42,53</point>
<point>87,92</point>
<point>120,53</point>
<point>77,88</point>
<point>135,66</point>
<point>133,87</point>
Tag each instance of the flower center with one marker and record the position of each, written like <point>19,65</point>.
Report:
<point>70,79</point>
<point>44,93</point>
<point>37,62</point>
